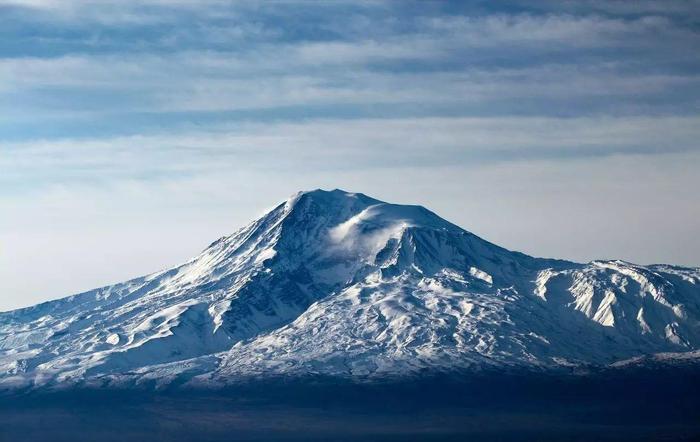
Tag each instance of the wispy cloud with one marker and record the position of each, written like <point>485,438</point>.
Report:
<point>316,145</point>
<point>432,63</point>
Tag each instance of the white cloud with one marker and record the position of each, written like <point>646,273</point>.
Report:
<point>336,145</point>
<point>557,30</point>
<point>362,69</point>
<point>295,76</point>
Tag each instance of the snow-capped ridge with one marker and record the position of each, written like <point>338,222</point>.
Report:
<point>343,284</point>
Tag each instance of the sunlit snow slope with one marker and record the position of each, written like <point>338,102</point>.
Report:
<point>338,283</point>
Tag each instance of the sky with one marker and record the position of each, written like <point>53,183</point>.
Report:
<point>134,133</point>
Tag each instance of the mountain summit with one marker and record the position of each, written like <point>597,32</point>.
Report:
<point>341,284</point>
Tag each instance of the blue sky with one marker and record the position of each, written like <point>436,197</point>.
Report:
<point>134,133</point>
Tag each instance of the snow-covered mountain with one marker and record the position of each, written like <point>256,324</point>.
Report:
<point>341,284</point>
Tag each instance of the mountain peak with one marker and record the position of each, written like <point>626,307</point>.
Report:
<point>330,200</point>
<point>337,193</point>
<point>357,209</point>
<point>340,283</point>
<point>328,196</point>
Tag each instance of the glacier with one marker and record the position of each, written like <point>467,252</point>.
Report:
<point>340,284</point>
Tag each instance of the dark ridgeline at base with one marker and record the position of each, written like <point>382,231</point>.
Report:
<point>633,404</point>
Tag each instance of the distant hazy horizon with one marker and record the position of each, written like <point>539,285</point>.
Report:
<point>133,134</point>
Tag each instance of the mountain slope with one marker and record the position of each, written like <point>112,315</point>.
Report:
<point>342,284</point>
